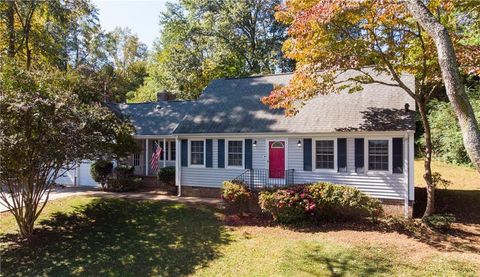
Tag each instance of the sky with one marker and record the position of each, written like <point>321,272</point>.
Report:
<point>141,16</point>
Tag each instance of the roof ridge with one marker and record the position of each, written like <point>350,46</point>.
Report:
<point>256,76</point>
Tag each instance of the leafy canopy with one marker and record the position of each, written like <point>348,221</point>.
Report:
<point>204,40</point>
<point>326,37</point>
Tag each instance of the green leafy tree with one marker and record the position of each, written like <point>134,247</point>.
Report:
<point>47,125</point>
<point>204,40</point>
<point>446,135</point>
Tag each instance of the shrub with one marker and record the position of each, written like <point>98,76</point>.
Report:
<point>123,184</point>
<point>318,201</point>
<point>288,205</point>
<point>166,175</point>
<point>124,171</point>
<point>343,202</point>
<point>440,221</point>
<point>236,195</point>
<point>100,170</point>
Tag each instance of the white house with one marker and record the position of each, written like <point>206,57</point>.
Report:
<point>363,139</point>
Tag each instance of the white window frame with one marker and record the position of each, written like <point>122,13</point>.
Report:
<point>314,154</point>
<point>243,154</point>
<point>190,153</point>
<point>390,158</point>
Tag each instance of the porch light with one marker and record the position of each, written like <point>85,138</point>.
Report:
<point>299,143</point>
<point>254,143</point>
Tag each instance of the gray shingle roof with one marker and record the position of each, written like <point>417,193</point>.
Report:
<point>234,106</point>
<point>156,118</point>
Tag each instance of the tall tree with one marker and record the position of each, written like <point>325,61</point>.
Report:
<point>39,33</point>
<point>48,124</point>
<point>327,37</point>
<point>203,40</point>
<point>451,77</point>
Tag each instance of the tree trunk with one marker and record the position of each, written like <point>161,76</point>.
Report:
<point>11,29</point>
<point>451,78</point>
<point>430,209</point>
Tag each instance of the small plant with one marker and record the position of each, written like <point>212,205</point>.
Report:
<point>236,195</point>
<point>166,175</point>
<point>440,221</point>
<point>100,171</point>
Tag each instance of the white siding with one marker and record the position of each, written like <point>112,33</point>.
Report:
<point>208,177</point>
<point>389,186</point>
<point>259,157</point>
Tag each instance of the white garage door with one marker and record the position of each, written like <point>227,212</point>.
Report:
<point>82,172</point>
<point>84,176</point>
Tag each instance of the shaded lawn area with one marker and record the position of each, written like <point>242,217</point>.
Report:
<point>461,198</point>
<point>83,236</point>
<point>115,237</point>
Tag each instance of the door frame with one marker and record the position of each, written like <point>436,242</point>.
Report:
<point>267,154</point>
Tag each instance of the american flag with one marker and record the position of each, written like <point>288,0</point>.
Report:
<point>155,157</point>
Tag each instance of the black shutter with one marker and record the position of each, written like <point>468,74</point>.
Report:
<point>248,154</point>
<point>307,154</point>
<point>221,153</point>
<point>359,155</point>
<point>209,148</point>
<point>397,144</point>
<point>342,154</point>
<point>184,151</point>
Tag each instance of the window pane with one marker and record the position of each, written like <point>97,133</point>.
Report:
<point>378,154</point>
<point>196,152</point>
<point>235,153</point>
<point>324,152</point>
<point>136,159</point>
<point>172,150</point>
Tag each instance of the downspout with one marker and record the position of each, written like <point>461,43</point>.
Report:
<point>178,167</point>
<point>406,179</point>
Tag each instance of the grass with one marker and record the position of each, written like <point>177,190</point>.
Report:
<point>115,237</point>
<point>462,197</point>
<point>82,236</point>
<point>462,177</point>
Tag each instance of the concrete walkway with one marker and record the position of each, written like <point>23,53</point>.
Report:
<point>59,193</point>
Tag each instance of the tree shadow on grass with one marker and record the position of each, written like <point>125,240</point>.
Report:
<point>119,238</point>
<point>325,259</point>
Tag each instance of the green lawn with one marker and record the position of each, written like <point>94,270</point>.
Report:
<point>83,236</point>
<point>461,198</point>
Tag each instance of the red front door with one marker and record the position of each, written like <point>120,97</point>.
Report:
<point>276,158</point>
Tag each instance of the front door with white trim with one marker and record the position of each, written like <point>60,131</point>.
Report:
<point>276,159</point>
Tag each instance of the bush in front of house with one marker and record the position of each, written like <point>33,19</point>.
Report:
<point>166,175</point>
<point>440,221</point>
<point>288,205</point>
<point>124,184</point>
<point>342,202</point>
<point>124,171</point>
<point>100,171</point>
<point>123,179</point>
<point>319,201</point>
<point>236,195</point>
